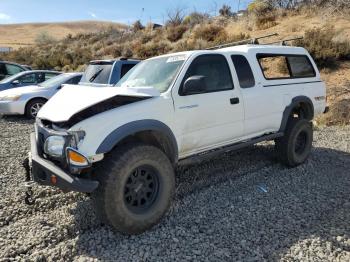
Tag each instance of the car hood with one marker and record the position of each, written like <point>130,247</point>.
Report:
<point>20,90</point>
<point>72,99</point>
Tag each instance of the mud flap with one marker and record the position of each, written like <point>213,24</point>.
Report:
<point>29,195</point>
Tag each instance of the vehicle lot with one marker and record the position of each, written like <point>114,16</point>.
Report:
<point>240,206</point>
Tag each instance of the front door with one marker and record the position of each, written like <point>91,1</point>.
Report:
<point>212,116</point>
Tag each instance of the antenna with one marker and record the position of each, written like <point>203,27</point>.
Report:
<point>253,41</point>
<point>284,41</point>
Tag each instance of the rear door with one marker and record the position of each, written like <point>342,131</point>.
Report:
<point>213,116</point>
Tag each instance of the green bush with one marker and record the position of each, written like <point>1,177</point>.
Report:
<point>175,33</point>
<point>321,45</point>
<point>210,33</point>
<point>195,18</point>
<point>151,49</point>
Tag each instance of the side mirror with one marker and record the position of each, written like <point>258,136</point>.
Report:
<point>58,88</point>
<point>194,85</point>
<point>15,82</point>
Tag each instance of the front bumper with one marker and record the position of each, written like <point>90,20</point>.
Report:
<point>46,173</point>
<point>12,107</point>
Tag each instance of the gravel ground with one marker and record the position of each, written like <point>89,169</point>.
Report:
<point>241,206</point>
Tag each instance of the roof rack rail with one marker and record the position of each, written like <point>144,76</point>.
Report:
<point>253,41</point>
<point>284,41</point>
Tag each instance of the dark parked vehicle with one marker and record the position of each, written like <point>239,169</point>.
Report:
<point>27,78</point>
<point>8,69</point>
<point>107,72</point>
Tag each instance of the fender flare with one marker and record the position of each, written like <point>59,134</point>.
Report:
<point>138,126</point>
<point>288,110</point>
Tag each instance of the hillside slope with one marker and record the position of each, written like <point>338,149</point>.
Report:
<point>19,35</point>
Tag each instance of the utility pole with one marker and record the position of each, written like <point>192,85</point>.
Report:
<point>239,3</point>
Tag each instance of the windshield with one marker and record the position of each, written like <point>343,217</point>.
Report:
<point>54,81</point>
<point>158,73</point>
<point>97,73</point>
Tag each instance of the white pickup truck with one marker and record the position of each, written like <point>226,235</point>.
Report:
<point>121,143</point>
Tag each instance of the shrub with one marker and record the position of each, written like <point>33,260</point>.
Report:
<point>264,13</point>
<point>137,26</point>
<point>175,17</point>
<point>151,49</point>
<point>175,33</point>
<point>265,21</point>
<point>44,38</point>
<point>321,45</point>
<point>339,113</point>
<point>195,18</point>
<point>225,11</point>
<point>210,33</point>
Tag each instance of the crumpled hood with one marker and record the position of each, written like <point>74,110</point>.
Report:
<point>20,90</point>
<point>72,99</point>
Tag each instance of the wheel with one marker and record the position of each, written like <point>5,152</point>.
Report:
<point>295,146</point>
<point>33,107</point>
<point>137,184</point>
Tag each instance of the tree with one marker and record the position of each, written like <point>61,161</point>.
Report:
<point>225,11</point>
<point>175,17</point>
<point>137,26</point>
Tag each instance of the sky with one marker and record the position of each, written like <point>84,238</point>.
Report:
<point>27,11</point>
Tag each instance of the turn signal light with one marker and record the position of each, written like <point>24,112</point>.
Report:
<point>77,159</point>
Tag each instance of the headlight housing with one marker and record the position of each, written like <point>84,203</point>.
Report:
<point>54,146</point>
<point>10,98</point>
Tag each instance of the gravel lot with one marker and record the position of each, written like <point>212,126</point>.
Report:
<point>242,206</point>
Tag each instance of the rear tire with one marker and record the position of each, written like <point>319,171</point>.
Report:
<point>295,146</point>
<point>33,107</point>
<point>137,184</point>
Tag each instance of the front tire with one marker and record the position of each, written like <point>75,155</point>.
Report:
<point>295,146</point>
<point>137,184</point>
<point>33,107</point>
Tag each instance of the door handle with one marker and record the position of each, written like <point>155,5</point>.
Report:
<point>234,101</point>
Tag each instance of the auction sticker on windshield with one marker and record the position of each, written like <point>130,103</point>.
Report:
<point>176,58</point>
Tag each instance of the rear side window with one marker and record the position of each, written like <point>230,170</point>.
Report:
<point>13,69</point>
<point>125,69</point>
<point>274,67</point>
<point>286,66</point>
<point>244,71</point>
<point>49,75</point>
<point>300,66</point>
<point>215,70</point>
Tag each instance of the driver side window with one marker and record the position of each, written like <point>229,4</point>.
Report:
<point>213,69</point>
<point>27,79</point>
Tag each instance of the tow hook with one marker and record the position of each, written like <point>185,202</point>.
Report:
<point>29,195</point>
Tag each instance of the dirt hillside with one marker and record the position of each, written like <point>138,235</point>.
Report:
<point>19,35</point>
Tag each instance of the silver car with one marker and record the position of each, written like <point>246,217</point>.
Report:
<point>29,99</point>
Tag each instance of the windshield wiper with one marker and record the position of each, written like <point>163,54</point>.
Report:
<point>95,75</point>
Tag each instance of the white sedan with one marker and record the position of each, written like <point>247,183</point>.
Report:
<point>29,99</point>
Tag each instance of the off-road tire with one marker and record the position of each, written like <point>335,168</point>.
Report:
<point>114,173</point>
<point>31,104</point>
<point>295,146</point>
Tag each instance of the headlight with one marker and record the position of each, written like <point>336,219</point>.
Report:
<point>54,146</point>
<point>10,98</point>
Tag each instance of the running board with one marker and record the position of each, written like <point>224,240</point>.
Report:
<point>195,159</point>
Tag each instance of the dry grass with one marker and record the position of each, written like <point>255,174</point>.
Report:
<point>20,35</point>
